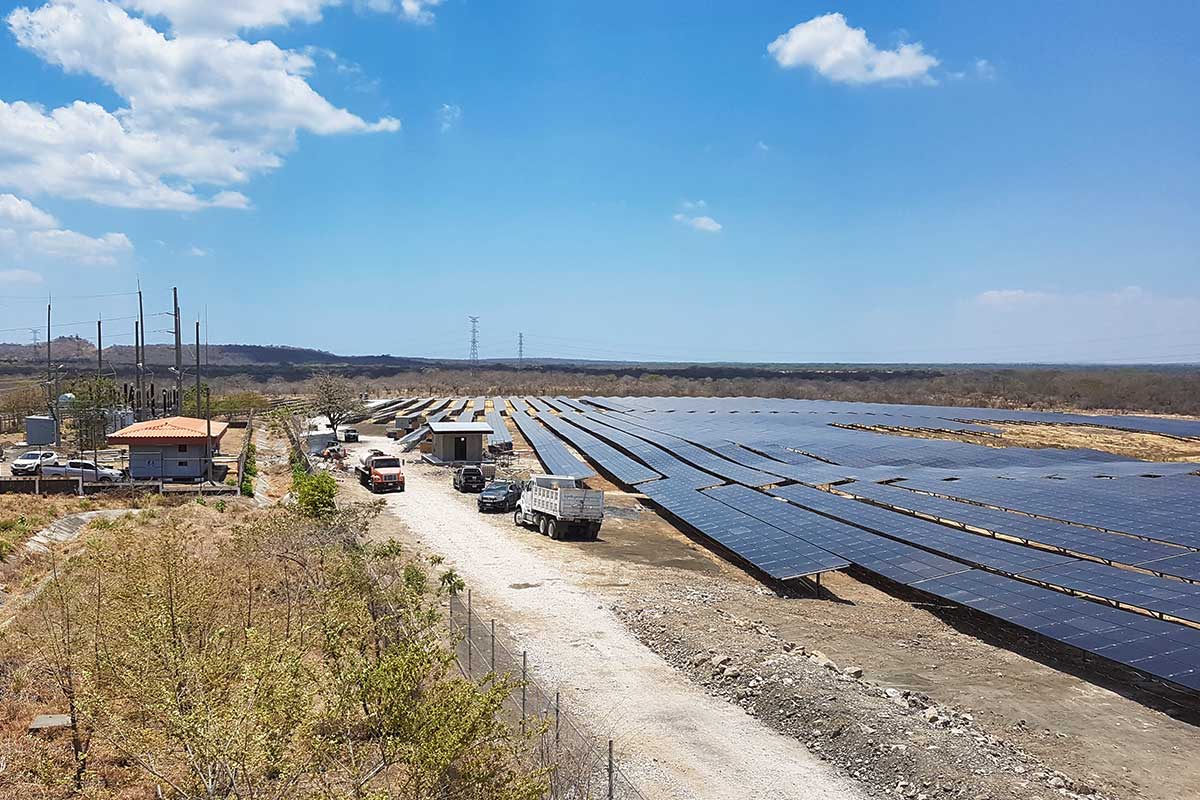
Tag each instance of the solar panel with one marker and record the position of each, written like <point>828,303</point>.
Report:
<point>1068,538</point>
<point>769,549</point>
<point>499,436</point>
<point>893,560</point>
<point>614,462</point>
<point>657,458</point>
<point>550,451</point>
<point>499,405</point>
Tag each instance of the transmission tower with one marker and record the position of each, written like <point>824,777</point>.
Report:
<point>474,342</point>
<point>520,351</point>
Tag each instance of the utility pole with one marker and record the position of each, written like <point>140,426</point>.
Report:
<point>198,407</point>
<point>178,355</point>
<point>141,362</point>
<point>137,364</point>
<point>520,351</point>
<point>474,342</point>
<point>100,416</point>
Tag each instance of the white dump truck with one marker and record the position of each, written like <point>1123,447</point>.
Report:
<point>559,506</point>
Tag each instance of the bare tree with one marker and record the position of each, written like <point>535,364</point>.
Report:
<point>335,399</point>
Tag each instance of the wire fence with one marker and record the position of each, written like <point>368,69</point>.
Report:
<point>581,767</point>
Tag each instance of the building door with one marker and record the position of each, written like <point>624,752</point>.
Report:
<point>460,448</point>
<point>151,466</point>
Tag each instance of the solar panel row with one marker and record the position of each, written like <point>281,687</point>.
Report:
<point>550,451</point>
<point>613,461</point>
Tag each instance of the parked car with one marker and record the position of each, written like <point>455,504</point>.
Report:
<point>31,462</point>
<point>499,496</point>
<point>87,469</point>
<point>350,435</point>
<point>469,479</point>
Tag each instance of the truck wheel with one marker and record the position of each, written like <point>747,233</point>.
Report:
<point>554,530</point>
<point>517,519</point>
<point>593,532</point>
<point>542,525</point>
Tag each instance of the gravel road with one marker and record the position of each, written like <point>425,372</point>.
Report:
<point>673,739</point>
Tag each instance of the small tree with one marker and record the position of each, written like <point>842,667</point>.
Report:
<point>335,399</point>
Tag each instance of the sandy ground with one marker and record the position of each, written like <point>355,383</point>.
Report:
<point>673,740</point>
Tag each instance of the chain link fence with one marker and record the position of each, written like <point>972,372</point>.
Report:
<point>581,767</point>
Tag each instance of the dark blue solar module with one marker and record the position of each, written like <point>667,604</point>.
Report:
<point>537,404</point>
<point>969,548</point>
<point>611,460</point>
<point>693,454</point>
<point>1162,649</point>
<point>574,405</point>
<point>457,405</point>
<point>1159,595</point>
<point>769,549</point>
<point>479,406</point>
<point>499,405</point>
<point>550,451</point>
<point>1071,538</point>
<point>893,560</point>
<point>554,404</point>
<point>657,458</point>
<point>518,404</point>
<point>1162,509</point>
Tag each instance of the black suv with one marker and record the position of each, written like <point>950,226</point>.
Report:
<point>469,479</point>
<point>499,496</point>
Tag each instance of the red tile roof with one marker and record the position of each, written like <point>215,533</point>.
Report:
<point>169,430</point>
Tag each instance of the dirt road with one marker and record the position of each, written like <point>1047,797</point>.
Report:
<point>673,739</point>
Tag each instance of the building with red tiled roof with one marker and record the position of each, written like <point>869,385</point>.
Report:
<point>172,448</point>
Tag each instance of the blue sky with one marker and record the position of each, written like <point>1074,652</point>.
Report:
<point>924,182</point>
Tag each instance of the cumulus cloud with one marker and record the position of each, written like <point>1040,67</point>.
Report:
<point>201,111</point>
<point>224,17</point>
<point>845,55</point>
<point>19,276</point>
<point>196,252</point>
<point>449,116</point>
<point>702,223</point>
<point>690,205</point>
<point>27,233</point>
<point>21,213</point>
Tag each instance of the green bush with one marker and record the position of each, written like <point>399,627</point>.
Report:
<point>314,494</point>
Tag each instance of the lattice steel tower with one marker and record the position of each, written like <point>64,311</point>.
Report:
<point>474,341</point>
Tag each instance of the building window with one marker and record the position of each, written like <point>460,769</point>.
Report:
<point>183,463</point>
<point>183,448</point>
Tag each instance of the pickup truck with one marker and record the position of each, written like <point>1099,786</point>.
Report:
<point>559,506</point>
<point>380,472</point>
<point>87,469</point>
<point>31,462</point>
<point>350,435</point>
<point>469,479</point>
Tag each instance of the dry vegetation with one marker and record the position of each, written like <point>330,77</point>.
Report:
<point>1132,444</point>
<point>223,651</point>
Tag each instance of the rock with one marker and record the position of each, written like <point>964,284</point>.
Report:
<point>853,672</point>
<point>731,671</point>
<point>719,660</point>
<point>1057,783</point>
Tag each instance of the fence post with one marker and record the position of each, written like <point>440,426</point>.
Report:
<point>469,615</point>
<point>524,691</point>
<point>493,665</point>
<point>556,719</point>
<point>610,770</point>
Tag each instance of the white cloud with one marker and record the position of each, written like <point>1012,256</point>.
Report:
<point>224,17</point>
<point>706,224</point>
<point>201,110</point>
<point>21,276</point>
<point>844,54</point>
<point>984,69</point>
<point>761,145</point>
<point>690,205</point>
<point>449,116</point>
<point>196,252</point>
<point>21,213</point>
<point>1011,299</point>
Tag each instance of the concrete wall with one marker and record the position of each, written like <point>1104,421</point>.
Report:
<point>150,462</point>
<point>443,446</point>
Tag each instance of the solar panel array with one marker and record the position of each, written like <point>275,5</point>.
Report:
<point>611,460</point>
<point>499,436</point>
<point>550,451</point>
<point>1074,544</point>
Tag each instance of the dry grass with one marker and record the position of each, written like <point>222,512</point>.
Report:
<point>1131,444</point>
